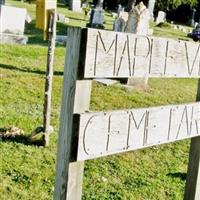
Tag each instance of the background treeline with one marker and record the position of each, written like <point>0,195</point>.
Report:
<point>177,10</point>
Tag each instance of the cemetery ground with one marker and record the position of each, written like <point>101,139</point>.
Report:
<point>27,171</point>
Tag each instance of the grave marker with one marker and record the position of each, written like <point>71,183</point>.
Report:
<point>161,18</point>
<point>9,23</point>
<point>12,27</point>
<point>151,5</point>
<point>138,23</point>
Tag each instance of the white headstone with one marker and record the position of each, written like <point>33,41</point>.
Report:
<point>123,15</point>
<point>138,20</point>
<point>151,5</point>
<point>161,18</point>
<point>76,5</point>
<point>12,20</point>
<point>138,23</point>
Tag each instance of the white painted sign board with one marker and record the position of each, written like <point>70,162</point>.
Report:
<point>115,55</point>
<point>106,133</point>
<point>12,20</point>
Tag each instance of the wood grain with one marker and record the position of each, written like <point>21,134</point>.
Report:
<point>106,133</point>
<point>116,55</point>
<point>66,118</point>
<point>192,189</point>
<point>49,76</point>
<point>76,169</point>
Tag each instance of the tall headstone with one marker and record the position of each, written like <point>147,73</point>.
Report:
<point>130,5</point>
<point>75,5</point>
<point>192,19</point>
<point>97,17</point>
<point>138,20</point>
<point>138,23</point>
<point>151,5</point>
<point>120,23</point>
<point>119,9</point>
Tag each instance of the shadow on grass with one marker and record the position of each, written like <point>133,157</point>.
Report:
<point>179,175</point>
<point>27,70</point>
<point>22,139</point>
<point>35,35</point>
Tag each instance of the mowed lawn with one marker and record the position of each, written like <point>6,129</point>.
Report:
<point>27,171</point>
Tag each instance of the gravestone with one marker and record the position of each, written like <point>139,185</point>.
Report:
<point>161,18</point>
<point>124,15</point>
<point>75,5</point>
<point>192,18</point>
<point>97,18</point>
<point>119,25</point>
<point>119,9</point>
<point>9,23</point>
<point>138,23</point>
<point>138,20</point>
<point>151,5</point>
<point>11,26</point>
<point>130,5</point>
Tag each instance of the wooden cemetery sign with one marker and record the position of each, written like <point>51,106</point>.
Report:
<point>85,135</point>
<point>115,55</point>
<point>105,133</point>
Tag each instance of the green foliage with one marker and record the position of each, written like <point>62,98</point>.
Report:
<point>172,4</point>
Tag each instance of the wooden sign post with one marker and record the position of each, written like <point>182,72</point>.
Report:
<point>85,135</point>
<point>192,190</point>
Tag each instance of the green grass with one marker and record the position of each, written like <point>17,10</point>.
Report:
<point>27,171</point>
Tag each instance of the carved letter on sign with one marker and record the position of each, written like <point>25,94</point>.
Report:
<point>114,54</point>
<point>107,133</point>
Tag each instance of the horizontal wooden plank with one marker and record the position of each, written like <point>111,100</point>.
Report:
<point>107,133</point>
<point>115,55</point>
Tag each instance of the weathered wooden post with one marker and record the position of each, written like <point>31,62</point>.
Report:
<point>192,189</point>
<point>66,118</point>
<point>75,99</point>
<point>49,76</point>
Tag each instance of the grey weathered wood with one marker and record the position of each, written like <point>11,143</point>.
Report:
<point>76,169</point>
<point>82,96</point>
<point>113,54</point>
<point>66,119</point>
<point>49,77</point>
<point>106,133</point>
<point>192,190</point>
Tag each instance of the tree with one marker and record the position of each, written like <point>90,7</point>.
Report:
<point>173,4</point>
